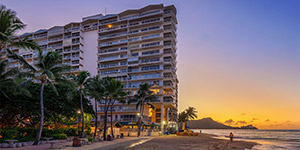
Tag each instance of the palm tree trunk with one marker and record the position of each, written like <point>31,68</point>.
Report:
<point>142,113</point>
<point>96,120</point>
<point>82,115</point>
<point>105,121</point>
<point>140,120</point>
<point>111,123</point>
<point>38,137</point>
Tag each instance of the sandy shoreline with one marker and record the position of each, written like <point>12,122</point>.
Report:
<point>201,142</point>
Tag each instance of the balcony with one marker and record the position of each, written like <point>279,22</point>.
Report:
<point>75,58</point>
<point>75,49</point>
<point>110,51</point>
<point>169,100</point>
<point>40,36</point>
<point>68,30</point>
<point>13,66</point>
<point>54,40</point>
<point>112,36</point>
<point>75,42</point>
<point>55,31</point>
<point>67,57</point>
<point>128,120</point>
<point>112,43</point>
<point>112,58</point>
<point>67,50</point>
<point>142,15</point>
<point>55,46</point>
<point>75,70</point>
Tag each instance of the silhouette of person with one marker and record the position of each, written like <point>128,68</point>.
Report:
<point>231,136</point>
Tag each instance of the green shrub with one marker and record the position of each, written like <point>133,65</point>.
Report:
<point>28,132</point>
<point>26,139</point>
<point>60,136</point>
<point>88,131</point>
<point>9,133</point>
<point>71,131</point>
<point>90,139</point>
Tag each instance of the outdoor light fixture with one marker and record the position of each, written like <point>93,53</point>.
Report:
<point>164,122</point>
<point>138,114</point>
<point>78,111</point>
<point>109,25</point>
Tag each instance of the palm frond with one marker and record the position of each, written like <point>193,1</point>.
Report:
<point>20,59</point>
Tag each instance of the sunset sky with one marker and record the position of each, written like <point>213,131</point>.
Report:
<point>238,60</point>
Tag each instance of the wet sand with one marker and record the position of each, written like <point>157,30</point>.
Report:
<point>201,142</point>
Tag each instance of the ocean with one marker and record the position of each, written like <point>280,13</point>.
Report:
<point>267,139</point>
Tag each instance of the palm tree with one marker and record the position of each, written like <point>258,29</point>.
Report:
<point>9,26</point>
<point>115,93</point>
<point>49,70</point>
<point>191,113</point>
<point>143,96</point>
<point>95,90</point>
<point>182,118</point>
<point>79,81</point>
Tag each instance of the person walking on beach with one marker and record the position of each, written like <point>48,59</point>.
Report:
<point>231,136</point>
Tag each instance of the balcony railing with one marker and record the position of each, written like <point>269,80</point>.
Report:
<point>142,15</point>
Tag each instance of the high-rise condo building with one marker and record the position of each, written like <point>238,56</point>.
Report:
<point>134,46</point>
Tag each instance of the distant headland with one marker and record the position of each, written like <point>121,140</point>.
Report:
<point>209,123</point>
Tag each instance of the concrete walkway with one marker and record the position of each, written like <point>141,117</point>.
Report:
<point>108,145</point>
<point>105,145</point>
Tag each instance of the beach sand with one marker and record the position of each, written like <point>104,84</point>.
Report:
<point>201,142</point>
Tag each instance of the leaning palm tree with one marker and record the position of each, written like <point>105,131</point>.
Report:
<point>49,70</point>
<point>10,24</point>
<point>79,81</point>
<point>115,93</point>
<point>95,90</point>
<point>143,96</point>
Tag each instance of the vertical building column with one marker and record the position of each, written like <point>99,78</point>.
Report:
<point>162,117</point>
<point>167,116</point>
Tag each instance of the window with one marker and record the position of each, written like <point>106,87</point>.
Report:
<point>152,75</point>
<point>109,72</point>
<point>149,29</point>
<point>150,44</point>
<point>155,91</point>
<point>150,36</point>
<point>123,48</point>
<point>150,52</point>
<point>150,60</point>
<point>123,63</point>
<point>123,70</point>
<point>150,68</point>
<point>151,20</point>
<point>134,54</point>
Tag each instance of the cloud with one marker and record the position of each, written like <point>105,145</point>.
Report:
<point>229,121</point>
<point>241,122</point>
<point>253,119</point>
<point>243,114</point>
<point>268,120</point>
